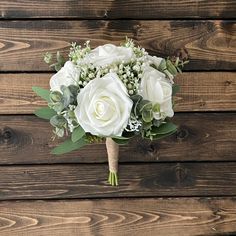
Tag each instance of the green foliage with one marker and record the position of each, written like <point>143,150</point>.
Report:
<point>48,57</point>
<point>56,96</point>
<point>162,65</point>
<point>160,136</point>
<point>165,128</point>
<point>156,108</point>
<point>78,51</point>
<point>58,121</point>
<point>147,115</point>
<point>121,140</point>
<point>60,132</point>
<point>43,93</point>
<point>77,134</point>
<point>69,146</point>
<point>171,67</point>
<point>45,113</point>
<point>60,100</point>
<point>60,60</point>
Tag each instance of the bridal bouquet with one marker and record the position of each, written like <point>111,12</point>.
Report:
<point>110,93</point>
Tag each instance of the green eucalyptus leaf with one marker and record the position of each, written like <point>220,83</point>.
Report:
<point>67,95</point>
<point>77,134</point>
<point>160,136</point>
<point>74,90</point>
<point>43,93</point>
<point>144,105</point>
<point>60,59</point>
<point>57,66</point>
<point>136,98</point>
<point>71,114</point>
<point>69,146</point>
<point>120,141</point>
<point>165,128</point>
<point>147,107</point>
<point>56,96</point>
<point>58,106</point>
<point>58,121</point>
<point>45,113</point>
<point>147,115</point>
<point>162,65</point>
<point>175,89</point>
<point>156,108</point>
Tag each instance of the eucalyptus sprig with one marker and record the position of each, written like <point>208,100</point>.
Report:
<point>60,60</point>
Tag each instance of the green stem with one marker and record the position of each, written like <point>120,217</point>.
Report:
<point>113,179</point>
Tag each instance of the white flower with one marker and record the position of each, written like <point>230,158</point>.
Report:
<point>156,88</point>
<point>154,60</point>
<point>108,54</point>
<point>104,106</point>
<point>68,75</point>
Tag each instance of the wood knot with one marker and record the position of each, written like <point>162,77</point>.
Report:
<point>182,134</point>
<point>228,82</point>
<point>202,104</point>
<point>7,134</point>
<point>180,173</point>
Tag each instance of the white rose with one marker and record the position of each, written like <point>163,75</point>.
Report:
<point>68,75</point>
<point>108,54</point>
<point>154,60</point>
<point>104,106</point>
<point>156,88</point>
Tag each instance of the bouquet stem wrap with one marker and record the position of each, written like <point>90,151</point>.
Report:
<point>113,158</point>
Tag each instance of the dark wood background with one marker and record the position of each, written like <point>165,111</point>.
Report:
<point>182,185</point>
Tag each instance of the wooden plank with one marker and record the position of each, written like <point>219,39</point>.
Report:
<point>111,9</point>
<point>164,217</point>
<point>200,91</point>
<point>27,139</point>
<point>210,44</point>
<point>90,180</point>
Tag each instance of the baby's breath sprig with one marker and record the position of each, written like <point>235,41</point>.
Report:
<point>78,52</point>
<point>138,51</point>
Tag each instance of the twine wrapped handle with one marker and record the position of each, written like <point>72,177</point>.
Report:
<point>113,158</point>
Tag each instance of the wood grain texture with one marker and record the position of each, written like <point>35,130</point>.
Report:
<point>111,9</point>
<point>200,91</point>
<point>211,45</point>
<point>164,217</point>
<point>135,180</point>
<point>201,137</point>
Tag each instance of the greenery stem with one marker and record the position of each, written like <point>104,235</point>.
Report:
<point>113,179</point>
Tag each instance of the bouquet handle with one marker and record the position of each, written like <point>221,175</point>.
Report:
<point>113,158</point>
